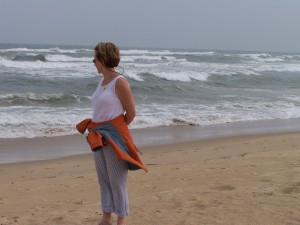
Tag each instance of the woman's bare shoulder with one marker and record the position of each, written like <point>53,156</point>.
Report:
<point>122,83</point>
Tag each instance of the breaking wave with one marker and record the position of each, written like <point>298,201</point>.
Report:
<point>54,99</point>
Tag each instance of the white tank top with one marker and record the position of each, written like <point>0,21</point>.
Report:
<point>106,103</point>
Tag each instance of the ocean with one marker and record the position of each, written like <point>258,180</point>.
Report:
<point>45,90</point>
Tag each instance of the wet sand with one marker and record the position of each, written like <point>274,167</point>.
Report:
<point>41,148</point>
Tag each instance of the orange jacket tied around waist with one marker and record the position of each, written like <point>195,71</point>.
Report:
<point>116,133</point>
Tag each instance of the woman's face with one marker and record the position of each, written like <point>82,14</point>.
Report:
<point>98,64</point>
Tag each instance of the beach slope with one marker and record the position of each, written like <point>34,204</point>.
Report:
<point>247,180</point>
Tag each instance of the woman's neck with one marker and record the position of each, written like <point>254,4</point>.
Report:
<point>108,76</point>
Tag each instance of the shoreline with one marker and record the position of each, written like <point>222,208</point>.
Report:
<point>14,150</point>
<point>204,181</point>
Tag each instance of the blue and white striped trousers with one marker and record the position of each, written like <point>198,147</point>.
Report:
<point>112,177</point>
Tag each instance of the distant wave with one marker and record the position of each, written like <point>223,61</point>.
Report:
<point>141,57</point>
<point>132,55</point>
<point>295,98</point>
<point>182,66</point>
<point>184,76</point>
<point>149,58</point>
<point>32,65</point>
<point>181,70</point>
<point>65,58</point>
<point>162,52</point>
<point>263,57</point>
<point>27,99</point>
<point>143,52</point>
<point>46,50</point>
<point>30,58</point>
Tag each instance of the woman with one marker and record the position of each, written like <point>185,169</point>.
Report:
<point>113,109</point>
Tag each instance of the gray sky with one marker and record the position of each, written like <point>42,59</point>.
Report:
<point>259,25</point>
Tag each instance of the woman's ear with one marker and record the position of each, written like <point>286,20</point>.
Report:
<point>102,62</point>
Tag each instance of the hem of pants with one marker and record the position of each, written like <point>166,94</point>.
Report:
<point>113,211</point>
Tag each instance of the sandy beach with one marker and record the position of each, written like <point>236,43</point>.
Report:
<point>251,179</point>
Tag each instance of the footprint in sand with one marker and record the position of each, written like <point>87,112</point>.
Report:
<point>152,164</point>
<point>219,147</point>
<point>78,177</point>
<point>48,168</point>
<point>72,210</point>
<point>243,154</point>
<point>293,188</point>
<point>14,218</point>
<point>58,219</point>
<point>224,188</point>
<point>265,180</point>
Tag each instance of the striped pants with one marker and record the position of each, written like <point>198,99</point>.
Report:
<point>112,177</point>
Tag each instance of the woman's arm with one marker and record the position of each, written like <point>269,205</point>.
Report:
<point>124,93</point>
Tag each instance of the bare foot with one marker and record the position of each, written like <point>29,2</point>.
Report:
<point>106,219</point>
<point>104,223</point>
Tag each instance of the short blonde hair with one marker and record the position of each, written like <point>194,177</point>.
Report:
<point>109,53</point>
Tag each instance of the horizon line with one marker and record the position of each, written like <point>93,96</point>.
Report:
<point>151,47</point>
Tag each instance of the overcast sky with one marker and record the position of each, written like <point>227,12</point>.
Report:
<point>258,25</point>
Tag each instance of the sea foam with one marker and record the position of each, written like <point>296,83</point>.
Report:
<point>46,91</point>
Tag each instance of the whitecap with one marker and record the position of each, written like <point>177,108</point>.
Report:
<point>65,58</point>
<point>145,52</point>
<point>43,50</point>
<point>133,76</point>
<point>164,52</point>
<point>185,76</point>
<point>140,57</point>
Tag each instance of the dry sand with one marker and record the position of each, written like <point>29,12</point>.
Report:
<point>251,180</point>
